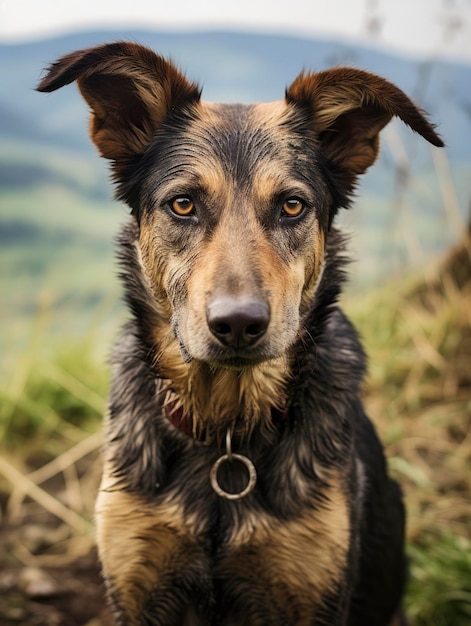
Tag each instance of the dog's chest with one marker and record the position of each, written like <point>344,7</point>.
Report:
<point>295,555</point>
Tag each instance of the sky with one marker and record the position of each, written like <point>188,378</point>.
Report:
<point>413,27</point>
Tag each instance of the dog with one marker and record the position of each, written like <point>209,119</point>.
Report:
<point>243,483</point>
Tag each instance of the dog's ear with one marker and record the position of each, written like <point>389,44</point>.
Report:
<point>348,109</point>
<point>129,89</point>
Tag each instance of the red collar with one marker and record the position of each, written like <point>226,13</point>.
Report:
<point>178,418</point>
<point>183,422</point>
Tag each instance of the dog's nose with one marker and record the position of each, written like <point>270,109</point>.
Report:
<point>238,322</point>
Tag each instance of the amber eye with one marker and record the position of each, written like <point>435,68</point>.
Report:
<point>292,207</point>
<point>182,206</point>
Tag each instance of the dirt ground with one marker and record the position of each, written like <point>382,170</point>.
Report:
<point>49,573</point>
<point>67,596</point>
<point>33,595</point>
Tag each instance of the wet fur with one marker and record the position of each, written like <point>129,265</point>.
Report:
<point>320,539</point>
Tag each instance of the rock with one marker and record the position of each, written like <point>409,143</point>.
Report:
<point>36,583</point>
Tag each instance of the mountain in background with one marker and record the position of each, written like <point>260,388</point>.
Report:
<point>57,218</point>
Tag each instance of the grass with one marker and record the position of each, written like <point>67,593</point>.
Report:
<point>440,581</point>
<point>45,402</point>
<point>418,337</point>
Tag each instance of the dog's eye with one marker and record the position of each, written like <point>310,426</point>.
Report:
<point>293,207</point>
<point>182,206</point>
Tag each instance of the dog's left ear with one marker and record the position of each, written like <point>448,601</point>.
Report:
<point>349,108</point>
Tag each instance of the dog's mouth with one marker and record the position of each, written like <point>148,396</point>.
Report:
<point>217,357</point>
<point>236,362</point>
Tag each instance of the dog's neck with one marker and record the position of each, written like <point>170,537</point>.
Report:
<point>206,401</point>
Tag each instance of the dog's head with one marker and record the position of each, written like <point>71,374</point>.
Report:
<point>233,202</point>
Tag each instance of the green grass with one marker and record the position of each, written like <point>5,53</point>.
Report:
<point>54,394</point>
<point>440,581</point>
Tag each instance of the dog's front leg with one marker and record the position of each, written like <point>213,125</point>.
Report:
<point>155,568</point>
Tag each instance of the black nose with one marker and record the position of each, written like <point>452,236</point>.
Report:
<point>238,322</point>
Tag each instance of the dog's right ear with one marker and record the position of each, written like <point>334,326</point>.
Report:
<point>129,89</point>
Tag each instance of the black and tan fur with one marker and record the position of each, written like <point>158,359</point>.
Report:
<point>235,324</point>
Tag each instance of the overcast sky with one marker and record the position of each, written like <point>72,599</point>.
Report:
<point>424,27</point>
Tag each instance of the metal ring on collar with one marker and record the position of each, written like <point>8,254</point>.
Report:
<point>250,467</point>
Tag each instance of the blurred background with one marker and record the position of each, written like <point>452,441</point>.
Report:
<point>409,290</point>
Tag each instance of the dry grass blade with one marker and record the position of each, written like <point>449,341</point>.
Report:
<point>67,458</point>
<point>48,502</point>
